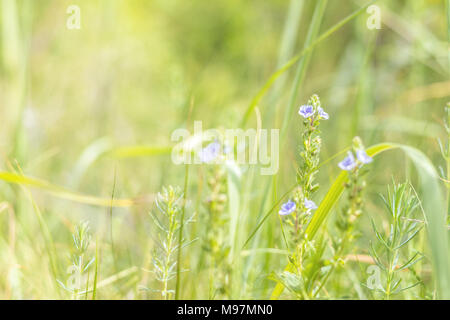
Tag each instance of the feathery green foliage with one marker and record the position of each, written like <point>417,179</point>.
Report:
<point>394,257</point>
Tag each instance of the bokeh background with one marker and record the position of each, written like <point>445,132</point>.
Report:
<point>92,110</point>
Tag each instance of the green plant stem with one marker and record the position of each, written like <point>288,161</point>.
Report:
<point>111,222</point>
<point>257,98</point>
<point>447,10</point>
<point>313,30</point>
<point>290,33</point>
<point>180,236</point>
<point>94,290</point>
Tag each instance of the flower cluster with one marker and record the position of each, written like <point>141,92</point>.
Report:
<point>287,208</point>
<point>355,187</point>
<point>350,162</point>
<point>308,111</point>
<point>210,152</point>
<point>301,205</point>
<point>347,217</point>
<point>290,206</point>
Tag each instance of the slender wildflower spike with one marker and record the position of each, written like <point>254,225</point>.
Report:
<point>287,208</point>
<point>306,111</point>
<point>349,163</point>
<point>304,253</point>
<point>216,240</point>
<point>299,209</point>
<point>312,112</point>
<point>352,210</point>
<point>310,205</point>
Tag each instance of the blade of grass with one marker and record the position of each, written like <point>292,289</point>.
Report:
<point>257,98</point>
<point>235,211</point>
<point>111,222</point>
<point>447,10</point>
<point>61,192</point>
<point>180,236</point>
<point>48,239</point>
<point>140,151</point>
<point>363,88</point>
<point>289,38</point>
<point>11,46</point>
<point>433,205</point>
<point>94,289</point>
<point>91,154</point>
<point>313,30</point>
<point>258,226</point>
<point>116,277</point>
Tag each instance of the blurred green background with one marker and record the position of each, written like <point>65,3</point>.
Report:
<point>139,69</point>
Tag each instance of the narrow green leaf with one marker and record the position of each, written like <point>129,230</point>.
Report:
<point>257,98</point>
<point>61,192</point>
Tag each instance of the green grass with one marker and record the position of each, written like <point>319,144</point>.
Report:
<point>88,111</point>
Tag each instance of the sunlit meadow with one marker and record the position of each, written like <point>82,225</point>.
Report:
<point>108,191</point>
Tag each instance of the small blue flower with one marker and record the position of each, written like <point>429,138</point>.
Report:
<point>287,208</point>
<point>349,163</point>
<point>210,152</point>
<point>306,111</point>
<point>363,157</point>
<point>322,114</point>
<point>310,205</point>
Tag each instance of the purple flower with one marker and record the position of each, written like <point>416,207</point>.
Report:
<point>363,157</point>
<point>210,152</point>
<point>349,163</point>
<point>322,114</point>
<point>306,111</point>
<point>287,208</point>
<point>310,205</point>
